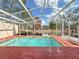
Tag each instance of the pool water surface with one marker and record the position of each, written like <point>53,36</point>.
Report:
<point>31,42</point>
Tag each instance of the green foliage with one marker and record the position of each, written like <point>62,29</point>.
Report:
<point>24,1</point>
<point>24,14</point>
<point>52,26</point>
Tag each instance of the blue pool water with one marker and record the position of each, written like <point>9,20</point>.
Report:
<point>31,42</point>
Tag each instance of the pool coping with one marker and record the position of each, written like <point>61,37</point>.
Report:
<point>59,39</point>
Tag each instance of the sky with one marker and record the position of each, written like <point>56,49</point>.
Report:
<point>50,9</point>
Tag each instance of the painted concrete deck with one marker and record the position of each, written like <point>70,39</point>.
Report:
<point>64,42</point>
<point>39,53</point>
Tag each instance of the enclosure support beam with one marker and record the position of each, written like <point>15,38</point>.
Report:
<point>56,27</point>
<point>19,28</point>
<point>27,29</point>
<point>14,32</point>
<point>10,20</point>
<point>62,27</point>
<point>78,28</point>
<point>69,28</point>
<point>34,28</point>
<point>28,13</point>
<point>63,9</point>
<point>12,15</point>
<point>24,27</point>
<point>49,28</point>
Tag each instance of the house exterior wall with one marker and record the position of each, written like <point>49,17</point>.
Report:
<point>6,29</point>
<point>37,23</point>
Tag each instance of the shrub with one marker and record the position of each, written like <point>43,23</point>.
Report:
<point>23,33</point>
<point>29,33</point>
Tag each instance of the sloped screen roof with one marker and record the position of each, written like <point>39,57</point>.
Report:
<point>15,8</point>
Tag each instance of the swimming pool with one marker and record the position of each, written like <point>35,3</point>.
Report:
<point>32,42</point>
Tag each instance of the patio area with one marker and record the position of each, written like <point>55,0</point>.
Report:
<point>39,29</point>
<point>39,53</point>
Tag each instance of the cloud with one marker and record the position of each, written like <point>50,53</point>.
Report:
<point>67,0</point>
<point>52,14</point>
<point>55,11</point>
<point>43,23</point>
<point>39,3</point>
<point>51,3</point>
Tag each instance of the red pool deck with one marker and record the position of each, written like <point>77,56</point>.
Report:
<point>10,37</point>
<point>39,53</point>
<point>64,42</point>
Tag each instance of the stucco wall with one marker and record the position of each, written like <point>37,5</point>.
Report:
<point>3,26</point>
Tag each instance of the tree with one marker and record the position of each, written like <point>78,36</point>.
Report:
<point>24,14</point>
<point>52,25</point>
